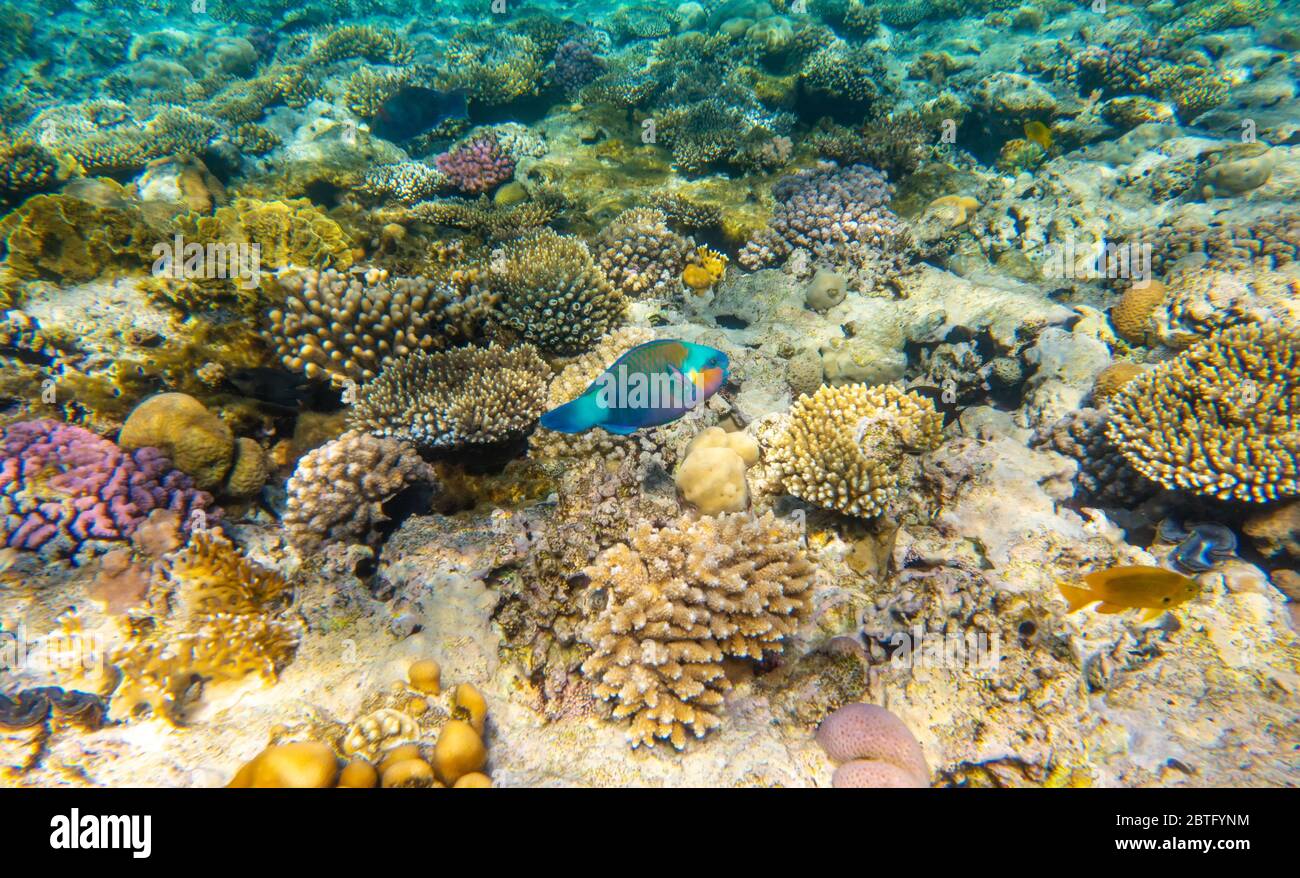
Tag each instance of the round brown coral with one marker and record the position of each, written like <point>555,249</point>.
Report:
<point>1131,315</point>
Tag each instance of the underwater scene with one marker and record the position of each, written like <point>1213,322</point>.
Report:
<point>720,393</point>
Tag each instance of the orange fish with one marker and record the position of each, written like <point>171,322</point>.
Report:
<point>1134,587</point>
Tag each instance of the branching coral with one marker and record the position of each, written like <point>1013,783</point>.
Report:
<point>1220,419</point>
<point>683,599</point>
<point>476,166</point>
<point>338,491</point>
<point>553,293</point>
<point>491,65</point>
<point>349,326</point>
<point>450,399</point>
<point>222,619</point>
<point>640,254</point>
<point>845,445</point>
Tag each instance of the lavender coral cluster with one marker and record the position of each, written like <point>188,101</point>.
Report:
<point>576,65</point>
<point>62,488</point>
<point>478,165</point>
<point>837,214</point>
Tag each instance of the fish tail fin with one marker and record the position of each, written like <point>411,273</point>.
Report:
<point>577,416</point>
<point>1151,615</point>
<point>1078,597</point>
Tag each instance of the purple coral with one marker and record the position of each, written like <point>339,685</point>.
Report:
<point>478,165</point>
<point>831,212</point>
<point>576,65</point>
<point>62,486</point>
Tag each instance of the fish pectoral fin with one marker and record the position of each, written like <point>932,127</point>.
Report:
<point>1108,608</point>
<point>1151,615</point>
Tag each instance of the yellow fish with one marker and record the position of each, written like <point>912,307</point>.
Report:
<point>1135,587</point>
<point>1039,134</point>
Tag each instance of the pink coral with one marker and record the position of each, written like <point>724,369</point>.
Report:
<point>478,165</point>
<point>62,487</point>
<point>877,749</point>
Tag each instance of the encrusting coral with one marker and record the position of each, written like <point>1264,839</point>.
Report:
<point>450,399</point>
<point>338,491</point>
<point>681,600</point>
<point>1220,419</point>
<point>845,445</point>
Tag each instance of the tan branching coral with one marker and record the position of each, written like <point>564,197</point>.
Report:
<point>844,445</point>
<point>1221,419</point>
<point>350,326</point>
<point>681,600</point>
<point>338,491</point>
<point>554,294</point>
<point>450,399</point>
<point>640,254</point>
<point>222,619</point>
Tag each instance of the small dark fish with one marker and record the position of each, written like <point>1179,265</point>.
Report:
<point>273,386</point>
<point>951,411</point>
<point>413,110</point>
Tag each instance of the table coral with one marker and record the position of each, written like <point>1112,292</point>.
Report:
<point>844,445</point>
<point>682,599</point>
<point>451,399</point>
<point>1220,418</point>
<point>65,490</point>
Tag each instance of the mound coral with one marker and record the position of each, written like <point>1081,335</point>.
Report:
<point>1220,419</point>
<point>451,399</point>
<point>845,445</point>
<point>1131,315</point>
<point>711,477</point>
<point>640,254</point>
<point>350,326</point>
<point>553,293</point>
<point>873,748</point>
<point>222,619</point>
<point>476,166</point>
<point>198,442</point>
<point>338,491</point>
<point>681,600</point>
<point>64,489</point>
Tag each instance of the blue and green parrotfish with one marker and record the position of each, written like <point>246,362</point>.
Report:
<point>652,384</point>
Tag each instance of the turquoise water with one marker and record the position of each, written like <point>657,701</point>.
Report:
<point>986,313</point>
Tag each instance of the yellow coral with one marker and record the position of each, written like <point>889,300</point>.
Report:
<point>1221,419</point>
<point>198,442</point>
<point>1131,315</point>
<point>844,445</point>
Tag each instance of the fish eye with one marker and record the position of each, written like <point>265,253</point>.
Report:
<point>1165,599</point>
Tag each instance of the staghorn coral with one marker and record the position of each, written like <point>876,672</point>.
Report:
<point>640,254</point>
<point>25,167</point>
<point>681,600</point>
<point>1220,418</point>
<point>221,619</point>
<point>349,326</point>
<point>379,45</point>
<point>338,491</point>
<point>491,65</point>
<point>408,182</point>
<point>844,446</point>
<point>553,293</point>
<point>450,399</point>
<point>65,491</point>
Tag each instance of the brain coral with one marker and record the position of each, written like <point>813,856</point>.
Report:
<point>1221,418</point>
<point>640,254</point>
<point>874,748</point>
<point>449,399</point>
<point>682,599</point>
<point>349,326</point>
<point>844,445</point>
<point>63,488</point>
<point>554,294</point>
<point>198,442</point>
<point>1131,315</point>
<point>338,491</point>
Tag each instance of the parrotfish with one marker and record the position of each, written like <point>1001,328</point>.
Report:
<point>652,384</point>
<point>1134,587</point>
